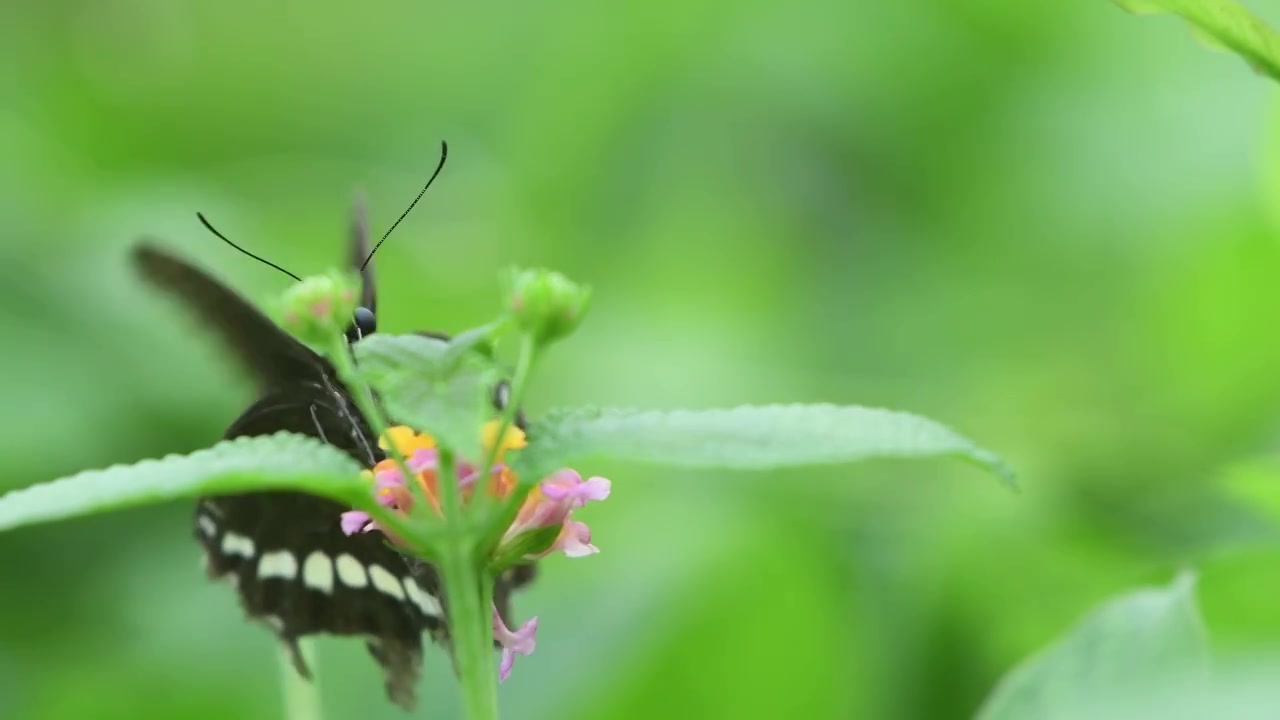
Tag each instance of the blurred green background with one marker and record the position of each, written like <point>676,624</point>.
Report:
<point>1052,226</point>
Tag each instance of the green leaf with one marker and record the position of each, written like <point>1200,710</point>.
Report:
<point>477,340</point>
<point>285,461</point>
<point>1225,23</point>
<point>1140,640</point>
<point>423,385</point>
<point>746,438</point>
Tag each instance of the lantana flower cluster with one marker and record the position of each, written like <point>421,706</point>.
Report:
<point>549,504</point>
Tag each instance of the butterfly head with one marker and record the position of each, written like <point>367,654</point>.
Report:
<point>363,324</point>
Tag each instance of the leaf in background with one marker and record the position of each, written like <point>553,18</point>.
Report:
<point>744,438</point>
<point>1256,483</point>
<point>1224,23</point>
<point>424,385</point>
<point>285,461</point>
<point>1136,641</point>
<point>478,339</point>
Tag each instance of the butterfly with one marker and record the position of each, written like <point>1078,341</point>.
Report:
<point>285,552</point>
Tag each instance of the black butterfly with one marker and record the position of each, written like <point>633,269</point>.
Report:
<point>285,552</point>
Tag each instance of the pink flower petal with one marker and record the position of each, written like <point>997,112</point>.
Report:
<point>382,483</point>
<point>597,488</point>
<point>575,540</point>
<point>521,641</point>
<point>467,475</point>
<point>388,479</point>
<point>354,521</point>
<point>504,667</point>
<point>568,485</point>
<point>422,460</point>
<point>562,485</point>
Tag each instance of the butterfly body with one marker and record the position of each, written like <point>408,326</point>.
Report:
<point>285,553</point>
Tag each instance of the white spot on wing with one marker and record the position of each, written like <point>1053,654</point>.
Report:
<point>233,544</point>
<point>274,622</point>
<point>279,564</point>
<point>207,526</point>
<point>425,601</point>
<point>317,572</point>
<point>385,582</point>
<point>351,572</point>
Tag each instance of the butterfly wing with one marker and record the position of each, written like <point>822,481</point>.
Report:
<point>293,567</point>
<point>296,571</point>
<point>361,254</point>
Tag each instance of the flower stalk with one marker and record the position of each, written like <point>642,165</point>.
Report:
<point>470,522</point>
<point>519,381</point>
<point>301,697</point>
<point>340,355</point>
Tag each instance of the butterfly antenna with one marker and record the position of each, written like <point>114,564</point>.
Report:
<point>224,239</point>
<point>444,155</point>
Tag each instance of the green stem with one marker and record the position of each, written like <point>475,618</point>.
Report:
<point>519,381</point>
<point>301,698</point>
<point>466,590</point>
<point>340,356</point>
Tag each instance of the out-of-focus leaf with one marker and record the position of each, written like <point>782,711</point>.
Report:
<point>1135,641</point>
<point>285,461</point>
<point>425,385</point>
<point>1222,23</point>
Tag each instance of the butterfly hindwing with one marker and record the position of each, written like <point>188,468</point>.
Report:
<point>298,573</point>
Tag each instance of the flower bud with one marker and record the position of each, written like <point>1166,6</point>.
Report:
<point>320,307</point>
<point>546,304</point>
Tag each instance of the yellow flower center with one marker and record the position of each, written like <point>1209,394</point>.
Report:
<point>407,441</point>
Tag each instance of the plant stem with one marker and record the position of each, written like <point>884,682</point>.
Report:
<point>519,381</point>
<point>301,698</point>
<point>470,621</point>
<point>468,591</point>
<point>507,511</point>
<point>340,356</point>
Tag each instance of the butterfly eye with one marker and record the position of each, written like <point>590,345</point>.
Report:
<point>366,323</point>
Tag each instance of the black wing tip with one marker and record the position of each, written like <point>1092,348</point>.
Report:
<point>401,665</point>
<point>296,659</point>
<point>152,260</point>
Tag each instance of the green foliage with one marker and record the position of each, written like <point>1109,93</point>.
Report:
<point>427,384</point>
<point>478,340</point>
<point>284,461</point>
<point>1049,223</point>
<point>1225,23</point>
<point>744,438</point>
<point>1131,643</point>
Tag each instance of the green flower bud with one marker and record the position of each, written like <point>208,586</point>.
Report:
<point>320,307</point>
<point>546,304</point>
